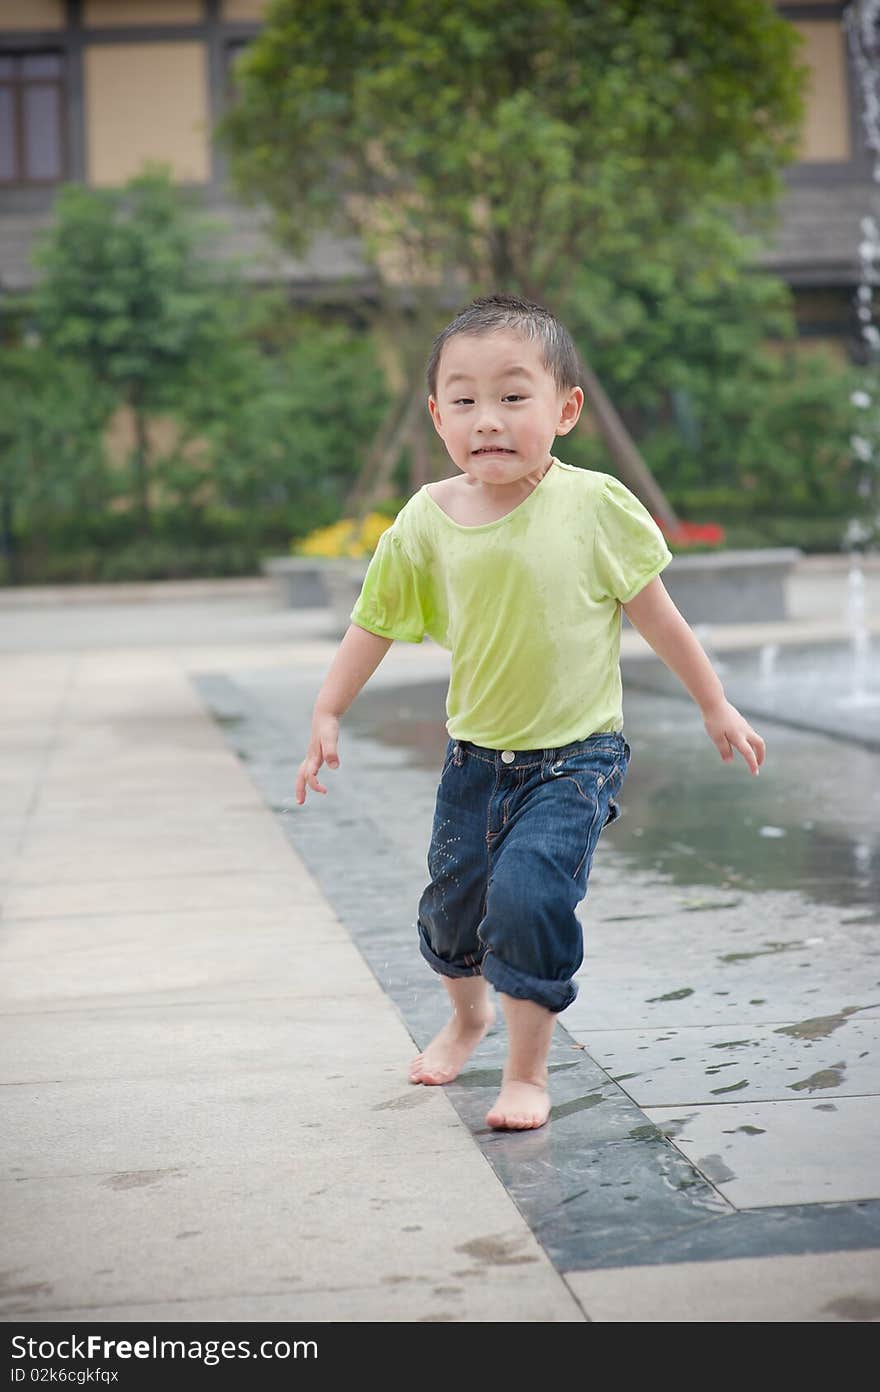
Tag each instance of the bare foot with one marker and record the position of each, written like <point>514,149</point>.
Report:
<point>450,1050</point>
<point>519,1106</point>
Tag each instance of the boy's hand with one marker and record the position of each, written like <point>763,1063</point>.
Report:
<point>322,750</point>
<point>728,730</point>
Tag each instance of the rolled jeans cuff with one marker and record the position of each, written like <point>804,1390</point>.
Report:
<point>440,965</point>
<point>552,995</point>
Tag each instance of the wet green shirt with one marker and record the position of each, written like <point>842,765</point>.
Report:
<point>528,605</point>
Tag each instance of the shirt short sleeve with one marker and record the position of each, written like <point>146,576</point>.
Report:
<point>392,601</point>
<point>629,546</point>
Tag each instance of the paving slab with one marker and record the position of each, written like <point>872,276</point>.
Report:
<point>168,894</point>
<point>762,1154</point>
<point>308,1228</point>
<point>204,1119</point>
<point>837,1053</point>
<point>122,1037</point>
<point>834,1287</point>
<point>473,1294</point>
<point>132,957</point>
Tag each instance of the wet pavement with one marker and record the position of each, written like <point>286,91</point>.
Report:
<point>712,1150</point>
<point>830,688</point>
<point>715,1084</point>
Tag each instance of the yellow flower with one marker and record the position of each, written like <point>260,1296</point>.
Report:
<point>347,537</point>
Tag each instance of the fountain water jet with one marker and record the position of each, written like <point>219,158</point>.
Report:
<point>861,20</point>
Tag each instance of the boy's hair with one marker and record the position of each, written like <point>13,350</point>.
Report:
<point>491,313</point>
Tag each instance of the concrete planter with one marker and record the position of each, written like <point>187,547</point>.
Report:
<point>318,582</point>
<point>343,579</point>
<point>298,580</point>
<point>732,586</point>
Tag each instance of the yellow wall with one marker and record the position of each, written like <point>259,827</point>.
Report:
<point>31,14</point>
<point>244,9</point>
<point>146,101</point>
<point>826,123</point>
<point>789,349</point>
<point>118,12</point>
<point>163,436</point>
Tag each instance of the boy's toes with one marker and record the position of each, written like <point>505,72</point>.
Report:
<point>423,1072</point>
<point>519,1107</point>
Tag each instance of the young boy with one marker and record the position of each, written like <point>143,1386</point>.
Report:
<point>519,565</point>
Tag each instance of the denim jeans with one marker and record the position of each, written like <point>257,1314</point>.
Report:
<point>511,848</point>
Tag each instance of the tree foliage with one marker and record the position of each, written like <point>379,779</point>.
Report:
<point>515,143</point>
<point>127,289</point>
<point>52,460</point>
<point>292,421</point>
<point>602,156</point>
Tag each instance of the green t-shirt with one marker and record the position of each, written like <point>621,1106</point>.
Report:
<point>528,605</point>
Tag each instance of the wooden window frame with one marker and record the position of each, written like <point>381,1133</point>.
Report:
<point>18,83</point>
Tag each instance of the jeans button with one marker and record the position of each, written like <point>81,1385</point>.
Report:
<point>507,756</point>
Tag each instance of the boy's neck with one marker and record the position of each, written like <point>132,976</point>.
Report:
<point>516,489</point>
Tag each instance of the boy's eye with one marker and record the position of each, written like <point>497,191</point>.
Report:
<point>468,401</point>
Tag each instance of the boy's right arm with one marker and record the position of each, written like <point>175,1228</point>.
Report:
<point>357,658</point>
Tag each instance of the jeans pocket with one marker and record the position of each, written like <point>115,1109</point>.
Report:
<point>590,771</point>
<point>593,829</point>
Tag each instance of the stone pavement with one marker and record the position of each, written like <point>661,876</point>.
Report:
<point>209,1001</point>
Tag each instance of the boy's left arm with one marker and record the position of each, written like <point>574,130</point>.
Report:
<point>655,616</point>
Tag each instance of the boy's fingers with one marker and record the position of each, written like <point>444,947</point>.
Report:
<point>723,746</point>
<point>313,780</point>
<point>751,746</point>
<point>748,753</point>
<point>308,776</point>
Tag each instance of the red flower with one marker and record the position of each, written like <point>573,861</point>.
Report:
<point>688,533</point>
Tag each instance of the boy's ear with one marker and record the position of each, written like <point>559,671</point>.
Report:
<point>571,410</point>
<point>435,414</point>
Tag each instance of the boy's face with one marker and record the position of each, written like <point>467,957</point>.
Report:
<point>497,408</point>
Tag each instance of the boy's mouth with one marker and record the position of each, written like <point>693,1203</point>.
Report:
<point>493,449</point>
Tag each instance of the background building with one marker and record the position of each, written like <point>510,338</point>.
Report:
<point>90,89</point>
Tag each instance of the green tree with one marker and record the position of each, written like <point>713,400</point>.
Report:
<point>293,415</point>
<point>783,431</point>
<point>515,148</point>
<point>51,452</point>
<point>128,290</point>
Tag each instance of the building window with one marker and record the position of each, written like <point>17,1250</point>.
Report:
<point>31,125</point>
<point>234,49</point>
